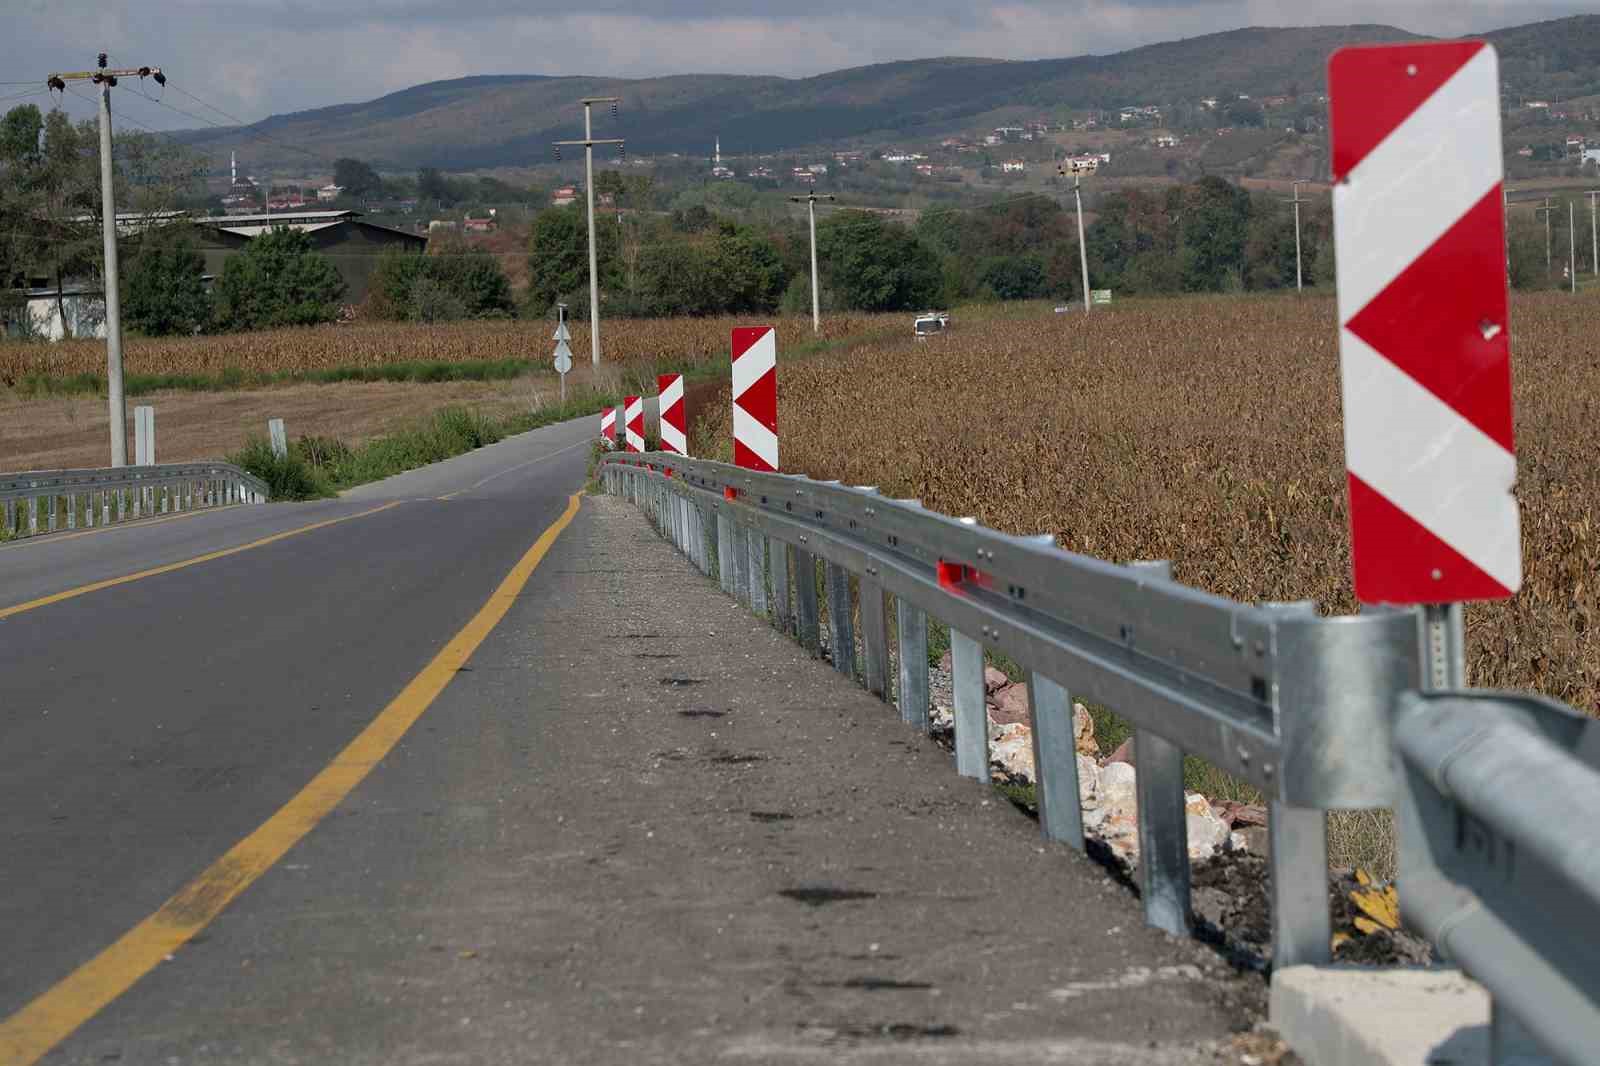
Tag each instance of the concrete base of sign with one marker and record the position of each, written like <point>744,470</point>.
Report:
<point>1350,1016</point>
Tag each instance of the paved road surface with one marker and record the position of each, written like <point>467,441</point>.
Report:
<point>580,852</point>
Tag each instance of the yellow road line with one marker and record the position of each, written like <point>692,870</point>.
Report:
<point>113,582</point>
<point>29,1034</point>
<point>514,469</point>
<point>117,527</point>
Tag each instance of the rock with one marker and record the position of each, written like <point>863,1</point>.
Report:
<point>941,717</point>
<point>1119,782</point>
<point>1123,754</point>
<point>994,680</point>
<point>945,661</point>
<point>1088,781</point>
<point>1207,832</point>
<point>1083,731</point>
<point>1011,705</point>
<point>1013,751</point>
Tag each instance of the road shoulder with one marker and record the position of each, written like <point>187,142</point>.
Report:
<point>641,826</point>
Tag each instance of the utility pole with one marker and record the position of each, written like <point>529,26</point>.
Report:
<point>588,143</point>
<point>106,79</point>
<point>1299,273</point>
<point>1546,209</point>
<point>810,200</point>
<point>1572,246</point>
<point>1083,250</point>
<point>1594,231</point>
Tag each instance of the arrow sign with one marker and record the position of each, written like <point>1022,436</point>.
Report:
<point>563,356</point>
<point>561,333</point>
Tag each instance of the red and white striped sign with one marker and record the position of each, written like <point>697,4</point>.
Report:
<point>673,435</point>
<point>633,422</point>
<point>608,423</point>
<point>755,397</point>
<point>1424,346</point>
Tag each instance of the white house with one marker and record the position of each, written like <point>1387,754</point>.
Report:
<point>1590,155</point>
<point>1013,166</point>
<point>329,193</point>
<point>78,310</point>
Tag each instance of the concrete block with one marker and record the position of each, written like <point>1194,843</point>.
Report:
<point>1351,1016</point>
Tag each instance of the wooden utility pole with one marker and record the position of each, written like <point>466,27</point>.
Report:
<point>106,80</point>
<point>1299,273</point>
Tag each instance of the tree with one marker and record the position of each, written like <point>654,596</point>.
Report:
<point>748,271</point>
<point>1212,234</point>
<point>356,178</point>
<point>454,280</point>
<point>1013,277</point>
<point>165,289</point>
<point>558,260</point>
<point>874,265</point>
<point>278,280</point>
<point>433,185</point>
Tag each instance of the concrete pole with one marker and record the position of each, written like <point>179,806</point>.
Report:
<point>1083,250</point>
<point>1594,234</point>
<point>816,299</point>
<point>1572,245</point>
<point>108,222</point>
<point>594,276</point>
<point>1299,273</point>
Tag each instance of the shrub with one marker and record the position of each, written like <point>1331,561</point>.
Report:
<point>288,477</point>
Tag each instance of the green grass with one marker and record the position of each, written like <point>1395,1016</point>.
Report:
<point>425,372</point>
<point>317,467</point>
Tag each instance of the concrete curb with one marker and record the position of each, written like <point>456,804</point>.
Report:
<point>1351,1016</point>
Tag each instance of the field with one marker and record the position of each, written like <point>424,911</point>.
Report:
<point>641,343</point>
<point>1206,431</point>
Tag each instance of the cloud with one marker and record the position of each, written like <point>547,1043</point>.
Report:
<point>257,57</point>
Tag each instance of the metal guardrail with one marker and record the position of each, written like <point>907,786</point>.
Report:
<point>45,501</point>
<point>1319,713</point>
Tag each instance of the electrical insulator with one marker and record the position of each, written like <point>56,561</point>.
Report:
<point>613,109</point>
<point>102,59</point>
<point>558,153</point>
<point>622,151</point>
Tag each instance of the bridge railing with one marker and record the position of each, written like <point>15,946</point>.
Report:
<point>46,501</point>
<point>1319,713</point>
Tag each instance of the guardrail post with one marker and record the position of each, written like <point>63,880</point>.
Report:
<point>724,551</point>
<point>740,561</point>
<point>1163,833</point>
<point>808,626</point>
<point>1163,822</point>
<point>874,638</point>
<point>971,712</point>
<point>756,541</point>
<point>911,629</point>
<point>841,621</point>
<point>33,515</point>
<point>72,510</point>
<point>8,509</point>
<point>778,560</point>
<point>1055,760</point>
<point>105,506</point>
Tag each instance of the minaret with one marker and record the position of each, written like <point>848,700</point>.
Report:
<point>718,161</point>
<point>233,168</point>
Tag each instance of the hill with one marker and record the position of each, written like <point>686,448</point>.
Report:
<point>483,122</point>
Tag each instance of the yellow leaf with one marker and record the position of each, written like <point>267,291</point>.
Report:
<point>1381,905</point>
<point>1361,875</point>
<point>1340,938</point>
<point>1367,925</point>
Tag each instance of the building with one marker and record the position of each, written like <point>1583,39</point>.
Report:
<point>1013,166</point>
<point>1166,142</point>
<point>1590,155</point>
<point>351,245</point>
<point>329,193</point>
<point>479,225</point>
<point>78,309</point>
<point>563,196</point>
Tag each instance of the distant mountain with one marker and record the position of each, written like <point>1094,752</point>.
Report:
<point>510,120</point>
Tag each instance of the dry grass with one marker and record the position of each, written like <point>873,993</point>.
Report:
<point>624,341</point>
<point>1206,431</point>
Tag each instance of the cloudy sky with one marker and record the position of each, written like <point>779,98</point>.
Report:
<point>252,58</point>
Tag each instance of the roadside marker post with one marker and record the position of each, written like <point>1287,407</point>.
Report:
<point>1425,354</point>
<point>674,437</point>
<point>563,357</point>
<point>755,398</point>
<point>608,423</point>
<point>278,436</point>
<point>144,436</point>
<point>633,422</point>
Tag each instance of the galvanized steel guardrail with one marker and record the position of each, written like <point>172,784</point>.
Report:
<point>1320,713</point>
<point>45,501</point>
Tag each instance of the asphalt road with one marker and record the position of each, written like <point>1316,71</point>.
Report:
<point>146,728</point>
<point>633,824</point>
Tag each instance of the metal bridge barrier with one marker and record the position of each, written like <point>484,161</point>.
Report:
<point>45,501</point>
<point>1319,713</point>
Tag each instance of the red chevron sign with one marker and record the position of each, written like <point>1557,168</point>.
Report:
<point>755,397</point>
<point>1424,345</point>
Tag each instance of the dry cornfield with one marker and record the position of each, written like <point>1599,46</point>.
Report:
<point>1207,431</point>
<point>377,343</point>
